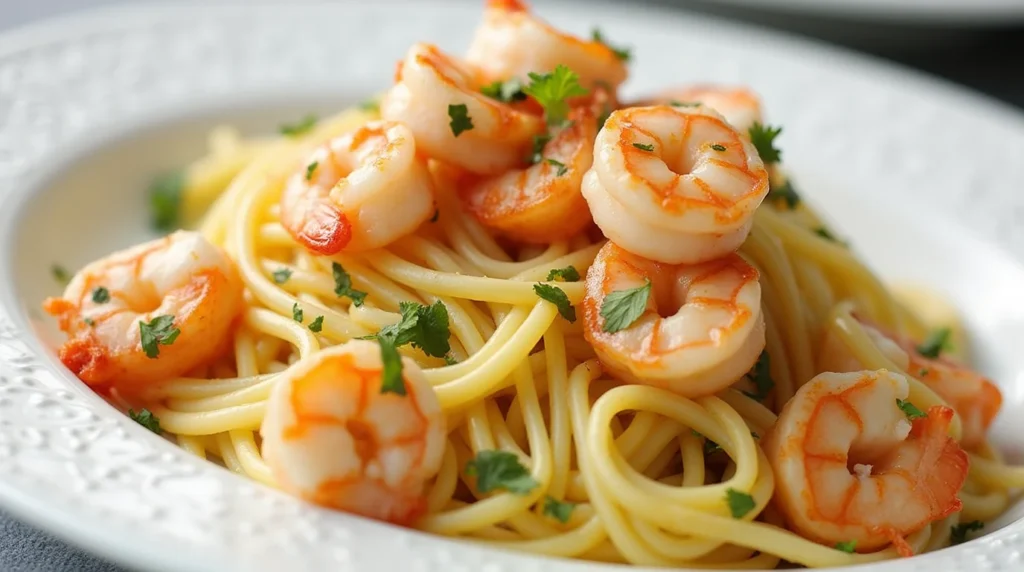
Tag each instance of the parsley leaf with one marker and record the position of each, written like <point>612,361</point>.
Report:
<point>643,147</point>
<point>449,359</point>
<point>936,342</point>
<point>310,169</point>
<point>539,141</point>
<point>370,105</point>
<point>159,331</point>
<point>556,296</point>
<point>343,285</point>
<point>505,91</point>
<point>297,312</point>
<point>460,119</point>
<point>425,327</point>
<point>145,418</point>
<point>763,138</point>
<point>559,510</point>
<point>677,103</point>
<point>562,169</point>
<point>718,147</point>
<point>551,90</point>
<point>958,533</point>
<point>391,376</point>
<point>848,546</point>
<point>622,53</point>
<point>282,275</point>
<point>786,193</point>
<point>761,375</point>
<point>317,324</point>
<point>710,447</point>
<point>165,201</point>
<point>89,322</point>
<point>623,307</point>
<point>100,295</point>
<point>299,127</point>
<point>60,274</point>
<point>826,234</point>
<point>567,274</point>
<point>740,503</point>
<point>495,470</point>
<point>910,410</point>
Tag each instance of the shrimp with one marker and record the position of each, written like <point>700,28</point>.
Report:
<point>110,306</point>
<point>974,397</point>
<point>740,106</point>
<point>511,43</point>
<point>849,466</point>
<point>713,338</point>
<point>541,203</point>
<point>431,89</point>
<point>674,184</point>
<point>359,191</point>
<point>333,438</point>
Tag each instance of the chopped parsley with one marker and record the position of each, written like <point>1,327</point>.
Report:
<point>146,418</point>
<point>505,91</point>
<point>677,103</point>
<point>343,285</point>
<point>936,343</point>
<point>826,234</point>
<point>165,201</point>
<point>785,193</point>
<point>157,332</point>
<point>559,510</point>
<point>539,141</point>
<point>556,296</point>
<point>958,533</point>
<point>622,53</point>
<point>460,120</point>
<point>567,274</point>
<point>847,547</point>
<point>370,106</point>
<point>391,374</point>
<point>910,410</point>
<point>317,324</point>
<point>100,295</point>
<point>643,147</point>
<point>740,503</point>
<point>60,274</point>
<point>89,322</point>
<point>761,376</point>
<point>310,169</point>
<point>297,312</point>
<point>449,359</point>
<point>425,327</point>
<point>281,275</point>
<point>552,90</point>
<point>299,127</point>
<point>623,307</point>
<point>500,470</point>
<point>710,447</point>
<point>763,138</point>
<point>718,147</point>
<point>562,169</point>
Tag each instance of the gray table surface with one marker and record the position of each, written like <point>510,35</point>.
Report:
<point>983,59</point>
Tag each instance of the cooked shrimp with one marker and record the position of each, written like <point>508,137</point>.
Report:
<point>740,106</point>
<point>541,203</point>
<point>512,42</point>
<point>849,466</point>
<point>109,303</point>
<point>713,332</point>
<point>331,437</point>
<point>674,184</point>
<point>430,86</point>
<point>974,398</point>
<point>360,191</point>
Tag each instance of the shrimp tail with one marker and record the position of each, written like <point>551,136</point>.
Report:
<point>941,451</point>
<point>86,359</point>
<point>508,5</point>
<point>326,230</point>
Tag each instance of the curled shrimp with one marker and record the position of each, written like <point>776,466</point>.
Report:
<point>740,106</point>
<point>674,184</point>
<point>331,437</point>
<point>106,306</point>
<point>702,328</point>
<point>360,191</point>
<point>849,466</point>
<point>511,43</point>
<point>541,203</point>
<point>973,396</point>
<point>431,89</point>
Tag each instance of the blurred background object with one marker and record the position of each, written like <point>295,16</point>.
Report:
<point>971,42</point>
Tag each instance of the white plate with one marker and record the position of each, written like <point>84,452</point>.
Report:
<point>948,12</point>
<point>92,107</point>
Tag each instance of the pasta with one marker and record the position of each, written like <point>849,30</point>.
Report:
<point>600,465</point>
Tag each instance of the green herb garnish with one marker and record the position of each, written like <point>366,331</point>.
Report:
<point>159,331</point>
<point>623,307</point>
<point>500,470</point>
<point>460,119</point>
